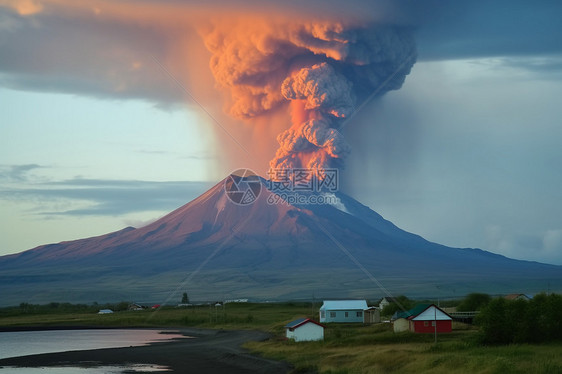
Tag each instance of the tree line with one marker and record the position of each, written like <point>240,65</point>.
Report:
<point>537,320</point>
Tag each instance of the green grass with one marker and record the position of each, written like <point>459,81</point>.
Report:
<point>347,348</point>
<point>376,349</point>
<point>270,317</point>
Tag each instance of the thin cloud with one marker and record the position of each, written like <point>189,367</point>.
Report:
<point>110,197</point>
<point>547,67</point>
<point>193,156</point>
<point>17,173</point>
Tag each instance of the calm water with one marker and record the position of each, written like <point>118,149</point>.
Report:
<point>130,369</point>
<point>13,344</point>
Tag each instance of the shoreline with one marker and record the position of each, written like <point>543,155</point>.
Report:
<point>81,327</point>
<point>212,351</point>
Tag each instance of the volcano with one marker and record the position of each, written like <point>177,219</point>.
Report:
<point>262,247</point>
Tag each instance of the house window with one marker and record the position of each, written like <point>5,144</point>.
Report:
<point>359,314</point>
<point>425,323</point>
<point>346,314</point>
<point>332,314</point>
<point>433,323</point>
<point>322,314</point>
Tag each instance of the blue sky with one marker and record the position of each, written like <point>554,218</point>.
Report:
<point>466,154</point>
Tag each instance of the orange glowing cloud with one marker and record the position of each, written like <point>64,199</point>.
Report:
<point>288,75</point>
<point>324,67</point>
<point>23,7</point>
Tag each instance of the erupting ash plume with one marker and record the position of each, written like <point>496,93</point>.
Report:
<point>318,62</point>
<point>324,70</point>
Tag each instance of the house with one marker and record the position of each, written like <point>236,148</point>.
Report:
<point>423,319</point>
<point>135,306</point>
<point>386,301</point>
<point>401,324</point>
<point>372,315</point>
<point>105,311</point>
<point>342,311</point>
<point>517,296</point>
<point>236,301</point>
<point>304,329</point>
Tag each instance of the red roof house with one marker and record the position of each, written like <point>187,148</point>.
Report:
<point>304,329</point>
<point>517,296</point>
<point>424,317</point>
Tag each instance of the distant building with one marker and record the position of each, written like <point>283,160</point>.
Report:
<point>342,311</point>
<point>386,301</point>
<point>423,319</point>
<point>304,329</point>
<point>517,296</point>
<point>236,301</point>
<point>105,311</point>
<point>135,306</point>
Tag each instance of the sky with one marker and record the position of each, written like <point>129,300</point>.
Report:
<point>114,113</point>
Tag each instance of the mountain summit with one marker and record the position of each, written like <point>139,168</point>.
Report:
<point>240,239</point>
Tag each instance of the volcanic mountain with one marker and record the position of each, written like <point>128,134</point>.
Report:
<point>309,245</point>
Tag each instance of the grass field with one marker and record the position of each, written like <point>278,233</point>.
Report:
<point>270,317</point>
<point>376,349</point>
<point>346,348</point>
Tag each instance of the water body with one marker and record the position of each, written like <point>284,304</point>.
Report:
<point>130,369</point>
<point>15,344</point>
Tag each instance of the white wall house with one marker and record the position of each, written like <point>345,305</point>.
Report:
<point>401,324</point>
<point>342,311</point>
<point>386,301</point>
<point>304,329</point>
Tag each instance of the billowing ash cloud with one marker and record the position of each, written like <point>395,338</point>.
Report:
<point>316,61</point>
<point>323,69</point>
<point>321,87</point>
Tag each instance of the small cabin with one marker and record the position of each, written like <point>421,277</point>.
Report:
<point>400,325</point>
<point>304,329</point>
<point>371,315</point>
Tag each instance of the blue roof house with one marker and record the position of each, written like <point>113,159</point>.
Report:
<point>342,311</point>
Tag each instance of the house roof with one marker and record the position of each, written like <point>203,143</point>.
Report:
<point>344,305</point>
<point>412,312</point>
<point>299,322</point>
<point>515,296</point>
<point>422,312</point>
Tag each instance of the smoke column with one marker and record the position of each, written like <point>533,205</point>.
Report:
<point>311,62</point>
<point>321,71</point>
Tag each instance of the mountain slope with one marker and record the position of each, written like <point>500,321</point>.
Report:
<point>217,249</point>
